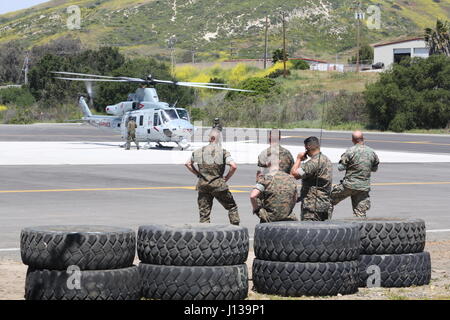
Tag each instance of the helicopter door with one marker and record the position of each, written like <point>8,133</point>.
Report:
<point>141,131</point>
<point>123,127</point>
<point>155,129</point>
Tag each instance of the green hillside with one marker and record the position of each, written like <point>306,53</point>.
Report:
<point>317,29</point>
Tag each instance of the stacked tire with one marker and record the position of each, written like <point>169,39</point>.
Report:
<point>306,258</point>
<point>193,262</point>
<point>392,253</point>
<point>80,263</point>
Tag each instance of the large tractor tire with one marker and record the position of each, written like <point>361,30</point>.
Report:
<point>395,270</point>
<point>87,247</point>
<point>391,236</point>
<point>193,245</point>
<point>307,241</point>
<point>118,284</point>
<point>295,279</point>
<point>194,283</point>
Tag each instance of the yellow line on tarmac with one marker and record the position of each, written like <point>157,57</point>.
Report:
<point>370,140</point>
<point>232,188</point>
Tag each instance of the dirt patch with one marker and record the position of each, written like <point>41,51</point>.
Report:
<point>12,281</point>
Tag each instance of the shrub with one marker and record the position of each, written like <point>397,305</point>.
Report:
<point>414,94</point>
<point>300,65</point>
<point>346,107</point>
<point>278,73</point>
<point>259,86</point>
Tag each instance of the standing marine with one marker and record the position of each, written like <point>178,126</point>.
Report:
<point>217,124</point>
<point>211,161</point>
<point>131,133</point>
<point>275,153</point>
<point>316,175</point>
<point>358,162</point>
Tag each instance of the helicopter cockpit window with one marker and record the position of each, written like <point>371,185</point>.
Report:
<point>183,114</point>
<point>168,114</point>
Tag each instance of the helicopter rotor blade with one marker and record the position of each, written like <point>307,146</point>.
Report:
<point>83,75</point>
<point>96,76</point>
<point>216,88</point>
<point>203,83</point>
<point>188,83</point>
<point>96,80</point>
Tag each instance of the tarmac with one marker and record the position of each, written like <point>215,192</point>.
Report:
<point>75,174</point>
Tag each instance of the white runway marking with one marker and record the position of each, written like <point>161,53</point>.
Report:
<point>104,153</point>
<point>439,230</point>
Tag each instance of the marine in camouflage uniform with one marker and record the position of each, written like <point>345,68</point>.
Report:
<point>284,156</point>
<point>316,175</point>
<point>275,156</point>
<point>131,134</point>
<point>359,162</point>
<point>274,197</point>
<point>217,125</point>
<point>211,161</point>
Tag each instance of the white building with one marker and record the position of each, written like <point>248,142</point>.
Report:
<point>394,52</point>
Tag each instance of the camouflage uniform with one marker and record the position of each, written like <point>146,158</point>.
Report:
<point>316,175</point>
<point>131,134</point>
<point>285,162</point>
<point>358,161</point>
<point>277,198</point>
<point>211,161</point>
<point>217,126</point>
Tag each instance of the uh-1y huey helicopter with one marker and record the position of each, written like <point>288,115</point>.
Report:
<point>156,121</point>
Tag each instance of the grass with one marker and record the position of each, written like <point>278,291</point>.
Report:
<point>329,81</point>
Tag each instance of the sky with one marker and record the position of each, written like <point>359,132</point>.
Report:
<point>8,6</point>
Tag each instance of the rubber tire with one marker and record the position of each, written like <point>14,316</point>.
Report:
<point>307,241</point>
<point>391,236</point>
<point>194,283</point>
<point>193,244</point>
<point>295,279</point>
<point>118,284</point>
<point>88,247</point>
<point>398,270</point>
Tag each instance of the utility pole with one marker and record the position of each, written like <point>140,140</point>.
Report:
<point>359,15</point>
<point>266,41</point>
<point>25,68</point>
<point>284,45</point>
<point>193,55</point>
<point>232,52</point>
<point>171,44</point>
<point>172,60</point>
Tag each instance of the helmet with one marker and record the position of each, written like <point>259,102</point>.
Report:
<point>216,120</point>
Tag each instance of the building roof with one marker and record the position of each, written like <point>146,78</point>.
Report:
<point>398,41</point>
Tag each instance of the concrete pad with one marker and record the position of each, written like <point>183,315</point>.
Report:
<point>105,153</point>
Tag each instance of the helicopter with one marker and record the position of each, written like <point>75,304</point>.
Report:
<point>157,122</point>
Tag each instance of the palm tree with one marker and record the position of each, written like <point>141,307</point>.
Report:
<point>438,40</point>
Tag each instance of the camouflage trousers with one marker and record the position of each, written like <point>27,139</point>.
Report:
<point>225,198</point>
<point>309,214</point>
<point>360,199</point>
<point>266,216</point>
<point>131,137</point>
